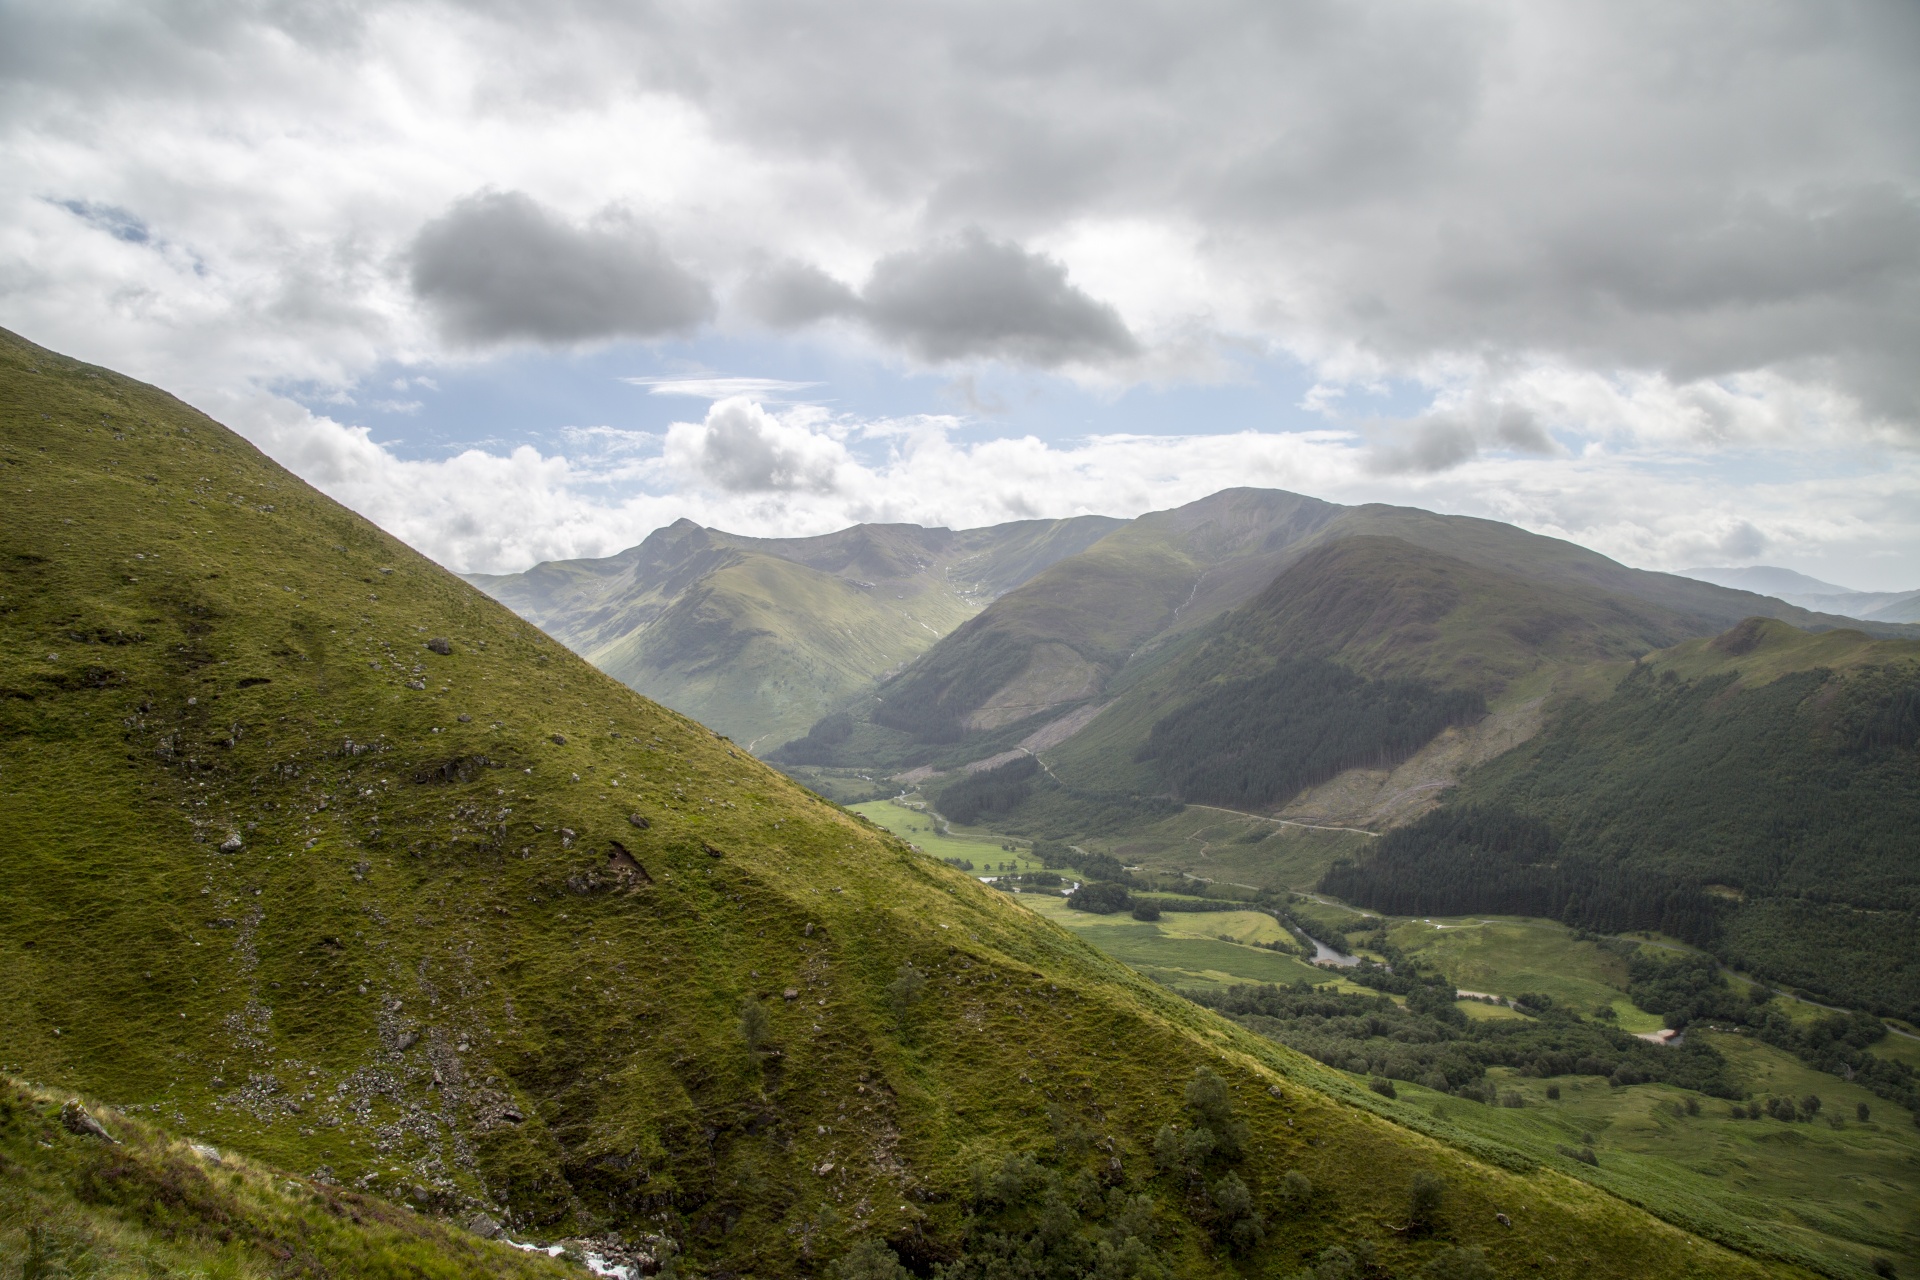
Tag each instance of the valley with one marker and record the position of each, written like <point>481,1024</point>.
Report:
<point>316,857</point>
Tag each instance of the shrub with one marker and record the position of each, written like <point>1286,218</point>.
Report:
<point>1553,1093</point>
<point>1298,1190</point>
<point>756,1028</point>
<point>1513,1098</point>
<point>1143,910</point>
<point>1862,1112</point>
<point>905,989</point>
<point>1424,1200</point>
<point>1382,1086</point>
<point>1231,1197</point>
<point>870,1260</point>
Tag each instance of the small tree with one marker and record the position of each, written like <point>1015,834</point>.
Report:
<point>756,1028</point>
<point>870,1260</point>
<point>1424,1200</point>
<point>904,991</point>
<point>1298,1189</point>
<point>1862,1112</point>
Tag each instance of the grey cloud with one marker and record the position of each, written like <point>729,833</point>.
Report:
<point>973,296</point>
<point>498,267</point>
<point>967,296</point>
<point>789,295</point>
<point>1443,440</point>
<point>1693,190</point>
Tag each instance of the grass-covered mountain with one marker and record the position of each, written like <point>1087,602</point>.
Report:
<point>311,851</point>
<point>1094,623</point>
<point>1756,793</point>
<point>760,637</point>
<point>1435,635</point>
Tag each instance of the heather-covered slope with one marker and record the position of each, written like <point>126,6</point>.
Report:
<point>309,849</point>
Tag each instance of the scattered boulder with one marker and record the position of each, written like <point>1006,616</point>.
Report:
<point>711,851</point>
<point>464,718</point>
<point>483,1226</point>
<point>209,1154</point>
<point>624,864</point>
<point>791,993</point>
<point>75,1120</point>
<point>232,844</point>
<point>440,645</point>
<point>558,739</point>
<point>639,821</point>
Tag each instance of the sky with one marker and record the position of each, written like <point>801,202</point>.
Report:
<point>526,281</point>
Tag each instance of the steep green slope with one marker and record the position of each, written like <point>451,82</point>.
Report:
<point>1756,794</point>
<point>136,1202</point>
<point>762,648</point>
<point>759,637</point>
<point>1062,636</point>
<point>310,850</point>
<point>1380,607</point>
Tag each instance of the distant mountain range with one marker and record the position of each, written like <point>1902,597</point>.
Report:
<point>1811,593</point>
<point>760,637</point>
<point>944,636</point>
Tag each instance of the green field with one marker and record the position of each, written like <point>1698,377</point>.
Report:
<point>909,820</point>
<point>1506,956</point>
<point>1834,1197</point>
<point>1214,844</point>
<point>1183,948</point>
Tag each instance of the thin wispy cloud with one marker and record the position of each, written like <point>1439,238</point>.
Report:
<point>719,388</point>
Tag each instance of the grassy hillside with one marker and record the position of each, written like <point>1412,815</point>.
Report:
<point>1086,627</point>
<point>1421,627</point>
<point>1058,639</point>
<point>311,851</point>
<point>762,648</point>
<point>760,637</point>
<point>138,1202</point>
<point>1756,793</point>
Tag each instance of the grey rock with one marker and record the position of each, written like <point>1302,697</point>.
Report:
<point>75,1120</point>
<point>440,645</point>
<point>483,1226</point>
<point>232,844</point>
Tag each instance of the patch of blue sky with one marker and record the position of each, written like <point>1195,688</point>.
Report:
<point>548,399</point>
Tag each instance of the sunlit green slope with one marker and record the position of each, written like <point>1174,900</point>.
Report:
<point>310,850</point>
<point>759,637</point>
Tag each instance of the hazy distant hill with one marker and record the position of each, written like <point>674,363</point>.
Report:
<point>1811,593</point>
<point>759,637</point>
<point>318,854</point>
